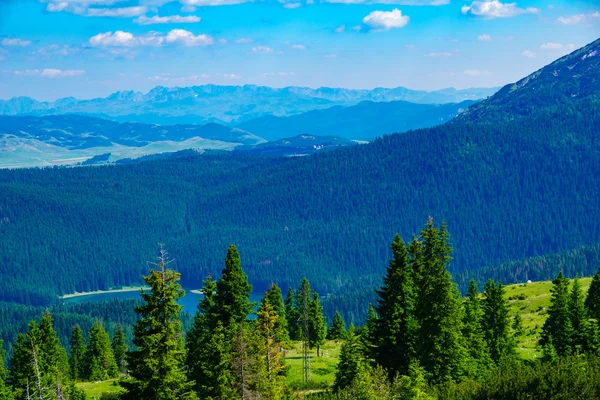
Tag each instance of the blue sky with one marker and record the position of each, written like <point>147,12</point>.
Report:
<point>91,48</point>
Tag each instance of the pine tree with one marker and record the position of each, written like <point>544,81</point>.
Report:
<point>291,313</point>
<point>268,332</point>
<point>232,299</point>
<point>397,328</point>
<point>440,351</point>
<point>350,362</point>
<point>478,360</point>
<point>99,356</point>
<point>6,392</point>
<point>77,357</point>
<point>496,323</point>
<point>579,319</point>
<point>53,358</point>
<point>156,364</point>
<point>337,331</point>
<point>276,301</point>
<point>517,325</point>
<point>120,347</point>
<point>368,338</point>
<point>558,324</point>
<point>318,326</point>
<point>592,301</point>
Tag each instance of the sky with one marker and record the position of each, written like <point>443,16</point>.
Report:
<point>90,48</point>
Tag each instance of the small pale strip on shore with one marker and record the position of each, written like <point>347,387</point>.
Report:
<point>122,290</point>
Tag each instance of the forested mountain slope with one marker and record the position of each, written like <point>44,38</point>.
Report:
<point>508,191</point>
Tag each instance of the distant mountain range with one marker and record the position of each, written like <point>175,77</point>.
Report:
<point>226,104</point>
<point>364,121</point>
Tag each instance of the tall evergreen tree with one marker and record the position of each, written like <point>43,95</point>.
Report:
<point>77,354</point>
<point>350,362</point>
<point>6,392</point>
<point>99,357</point>
<point>368,338</point>
<point>54,361</point>
<point>232,299</point>
<point>440,351</point>
<point>337,331</point>
<point>592,301</point>
<point>276,300</point>
<point>291,314</point>
<point>318,326</point>
<point>268,332</point>
<point>517,324</point>
<point>397,328</point>
<point>558,324</point>
<point>478,360</point>
<point>156,364</point>
<point>120,347</point>
<point>496,322</point>
<point>579,319</point>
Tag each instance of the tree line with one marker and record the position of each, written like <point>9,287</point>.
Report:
<point>421,340</point>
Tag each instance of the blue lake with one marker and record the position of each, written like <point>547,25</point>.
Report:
<point>189,301</point>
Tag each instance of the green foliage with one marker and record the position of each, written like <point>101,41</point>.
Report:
<point>496,323</point>
<point>77,356</point>
<point>592,301</point>
<point>368,338</point>
<point>6,392</point>
<point>579,319</point>
<point>558,325</point>
<point>100,361</point>
<point>350,361</point>
<point>276,300</point>
<point>517,324</point>
<point>291,314</point>
<point>270,368</point>
<point>478,360</point>
<point>156,364</point>
<point>120,347</point>
<point>337,331</point>
<point>318,326</point>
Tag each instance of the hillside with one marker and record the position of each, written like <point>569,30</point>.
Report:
<point>300,145</point>
<point>572,78</point>
<point>364,121</point>
<point>225,104</point>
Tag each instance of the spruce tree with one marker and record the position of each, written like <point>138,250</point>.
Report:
<point>440,350</point>
<point>276,300</point>
<point>6,392</point>
<point>77,356</point>
<point>99,356</point>
<point>478,360</point>
<point>208,350</point>
<point>517,325</point>
<point>592,301</point>
<point>268,332</point>
<point>318,326</point>
<point>368,338</point>
<point>579,319</point>
<point>291,314</point>
<point>397,329</point>
<point>232,299</point>
<point>337,331</point>
<point>350,362</point>
<point>120,347</point>
<point>558,324</point>
<point>496,323</point>
<point>156,364</point>
<point>54,361</point>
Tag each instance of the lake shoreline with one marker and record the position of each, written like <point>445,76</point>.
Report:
<point>96,292</point>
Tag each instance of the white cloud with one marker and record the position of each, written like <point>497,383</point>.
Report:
<point>394,2</point>
<point>299,47</point>
<point>56,49</point>
<point>496,9</point>
<point>262,50</point>
<point>529,54</point>
<point>579,18</point>
<point>50,73</point>
<point>127,39</point>
<point>172,19</point>
<point>188,9</point>
<point>440,54</point>
<point>340,29</point>
<point>386,19</point>
<point>484,38</point>
<point>268,75</point>
<point>123,12</point>
<point>477,73</point>
<point>15,42</point>
<point>80,7</point>
<point>244,40</point>
<point>292,5</point>
<point>187,38</point>
<point>231,76</point>
<point>200,3</point>
<point>182,79</point>
<point>552,46</point>
<point>357,28</point>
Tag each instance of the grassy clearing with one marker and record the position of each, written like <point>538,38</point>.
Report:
<point>95,389</point>
<point>531,301</point>
<point>322,369</point>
